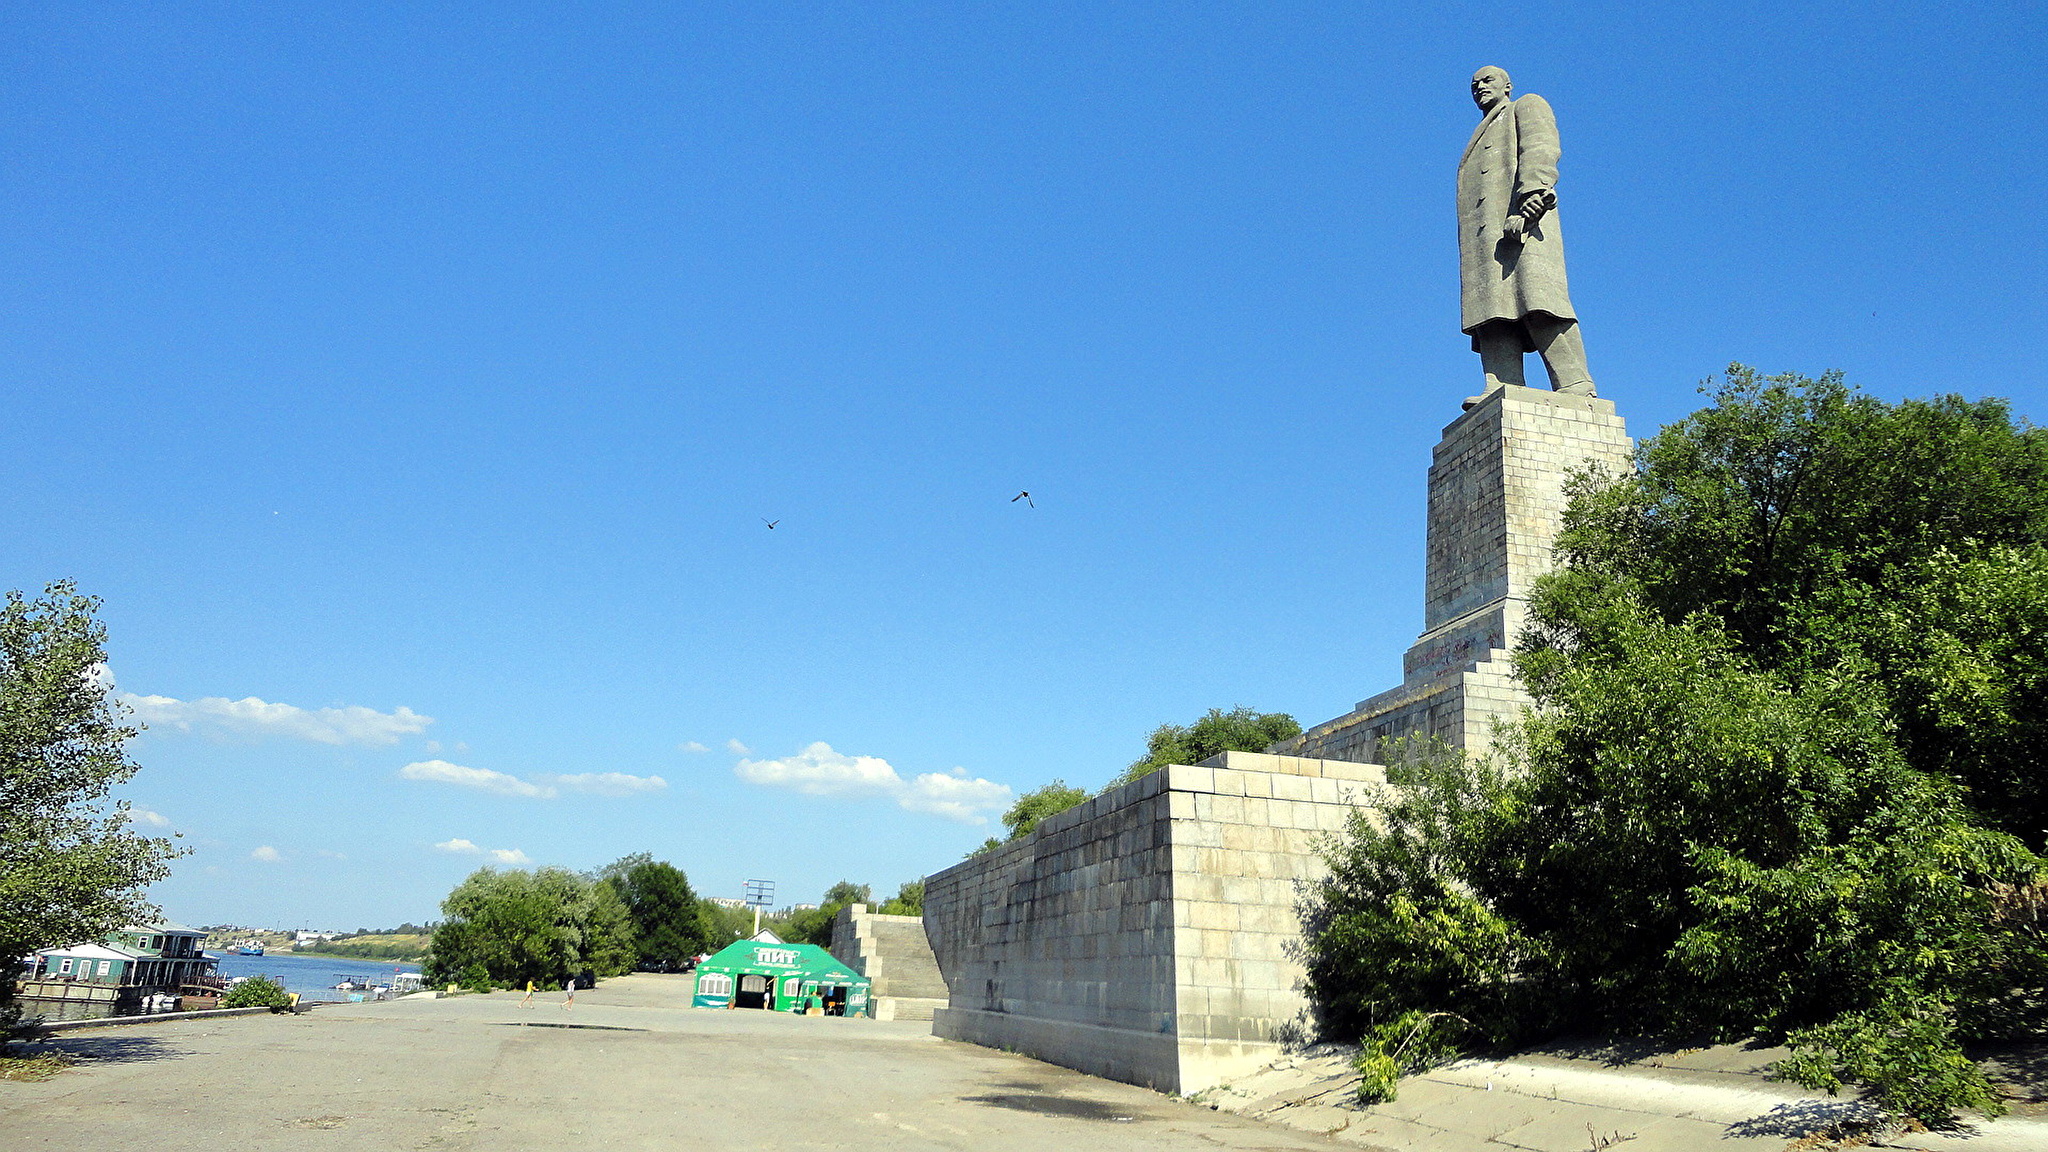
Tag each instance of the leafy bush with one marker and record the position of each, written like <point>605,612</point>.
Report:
<point>1904,1050</point>
<point>1238,730</point>
<point>908,901</point>
<point>257,992</point>
<point>1034,806</point>
<point>1409,1043</point>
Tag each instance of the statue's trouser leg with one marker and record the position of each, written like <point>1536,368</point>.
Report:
<point>1564,354</point>
<point>1500,355</point>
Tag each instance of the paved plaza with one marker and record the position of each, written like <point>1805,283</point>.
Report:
<point>630,1067</point>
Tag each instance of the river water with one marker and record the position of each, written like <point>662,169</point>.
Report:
<point>312,976</point>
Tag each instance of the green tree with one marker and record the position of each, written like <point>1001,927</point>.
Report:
<point>814,925</point>
<point>513,926</point>
<point>610,940</point>
<point>1747,804</point>
<point>71,866</point>
<point>908,901</point>
<point>723,925</point>
<point>1033,807</point>
<point>1238,730</point>
<point>847,892</point>
<point>617,869</point>
<point>1829,532</point>
<point>667,920</point>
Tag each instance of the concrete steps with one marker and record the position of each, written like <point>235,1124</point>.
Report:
<point>906,1007</point>
<point>893,952</point>
<point>907,962</point>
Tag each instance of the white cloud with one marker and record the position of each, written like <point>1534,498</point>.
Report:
<point>545,786</point>
<point>819,771</point>
<point>329,854</point>
<point>267,854</point>
<point>955,796</point>
<point>145,816</point>
<point>482,779</point>
<point>461,847</point>
<point>220,717</point>
<point>605,783</point>
<point>736,748</point>
<point>692,746</point>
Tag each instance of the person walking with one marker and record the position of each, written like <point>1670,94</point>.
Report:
<point>569,993</point>
<point>528,1001</point>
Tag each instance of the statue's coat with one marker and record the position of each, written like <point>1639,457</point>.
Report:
<point>1513,152</point>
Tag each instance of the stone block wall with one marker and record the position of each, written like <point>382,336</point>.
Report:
<point>1148,935</point>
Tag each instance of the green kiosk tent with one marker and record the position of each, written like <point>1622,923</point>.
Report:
<point>750,974</point>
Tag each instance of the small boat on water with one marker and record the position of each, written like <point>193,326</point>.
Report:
<point>359,984</point>
<point>248,948</point>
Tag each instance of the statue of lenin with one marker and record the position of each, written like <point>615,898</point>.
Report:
<point>1510,254</point>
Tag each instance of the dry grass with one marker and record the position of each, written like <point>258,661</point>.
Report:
<point>33,1067</point>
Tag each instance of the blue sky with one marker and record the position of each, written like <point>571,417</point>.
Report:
<point>414,381</point>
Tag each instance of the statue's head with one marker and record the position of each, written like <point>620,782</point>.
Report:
<point>1490,86</point>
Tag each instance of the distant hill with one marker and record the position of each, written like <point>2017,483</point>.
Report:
<point>377,946</point>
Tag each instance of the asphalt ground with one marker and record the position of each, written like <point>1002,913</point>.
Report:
<point>629,1067</point>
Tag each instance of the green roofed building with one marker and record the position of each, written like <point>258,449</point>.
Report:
<point>784,977</point>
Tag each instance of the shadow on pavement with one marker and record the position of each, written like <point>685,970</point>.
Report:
<point>1802,1118</point>
<point>95,1049</point>
<point>2022,1069</point>
<point>544,1024</point>
<point>1615,1050</point>
<point>1054,1106</point>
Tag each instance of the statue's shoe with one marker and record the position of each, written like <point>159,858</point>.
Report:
<point>1472,402</point>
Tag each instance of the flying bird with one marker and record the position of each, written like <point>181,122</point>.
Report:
<point>1025,497</point>
<point>770,523</point>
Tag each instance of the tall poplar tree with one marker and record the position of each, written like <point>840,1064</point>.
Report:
<point>72,867</point>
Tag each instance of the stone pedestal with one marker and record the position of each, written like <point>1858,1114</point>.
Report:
<point>1496,494</point>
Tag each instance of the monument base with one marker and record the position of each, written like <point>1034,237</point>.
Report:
<point>1460,710</point>
<point>1161,1062</point>
<point>1497,491</point>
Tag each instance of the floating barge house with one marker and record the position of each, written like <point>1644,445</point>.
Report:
<point>141,968</point>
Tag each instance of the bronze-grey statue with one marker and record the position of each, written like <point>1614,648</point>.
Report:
<point>1510,254</point>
